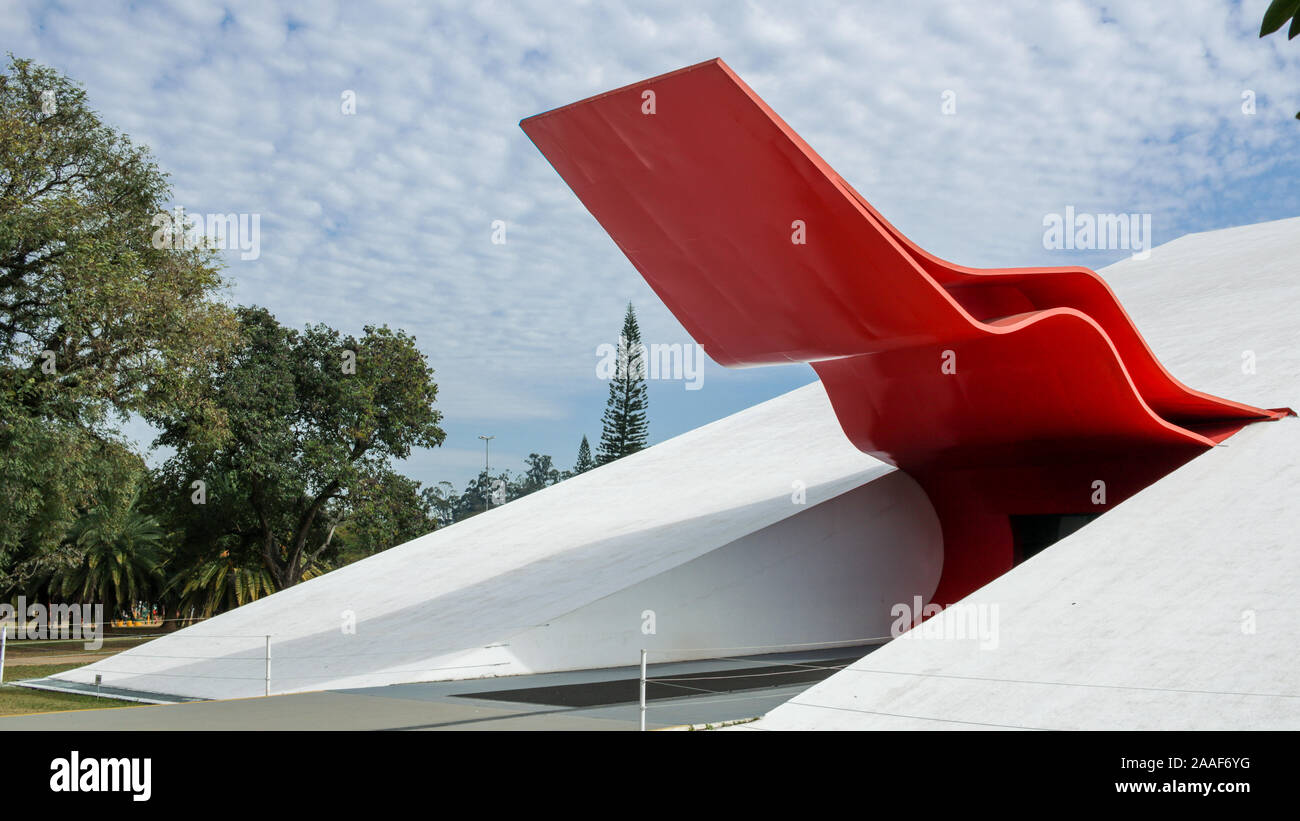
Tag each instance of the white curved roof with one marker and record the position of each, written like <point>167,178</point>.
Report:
<point>438,606</point>
<point>1176,610</point>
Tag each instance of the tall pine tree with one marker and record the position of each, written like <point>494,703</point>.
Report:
<point>584,462</point>
<point>624,426</point>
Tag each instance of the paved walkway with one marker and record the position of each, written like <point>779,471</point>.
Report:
<point>680,693</point>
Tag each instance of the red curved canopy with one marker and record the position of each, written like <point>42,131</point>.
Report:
<point>1003,391</point>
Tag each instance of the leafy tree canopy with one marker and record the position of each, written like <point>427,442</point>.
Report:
<point>94,320</point>
<point>93,317</point>
<point>308,423</point>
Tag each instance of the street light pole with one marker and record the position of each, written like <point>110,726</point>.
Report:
<point>487,470</point>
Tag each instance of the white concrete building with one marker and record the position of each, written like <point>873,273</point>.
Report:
<point>764,528</point>
<point>1176,609</point>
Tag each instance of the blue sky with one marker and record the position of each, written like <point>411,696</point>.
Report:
<point>385,216</point>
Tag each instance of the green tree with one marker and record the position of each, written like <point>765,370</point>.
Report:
<point>93,316</point>
<point>1275,17</point>
<point>484,492</point>
<point>51,473</point>
<point>220,583</point>
<point>441,501</point>
<point>624,428</point>
<point>116,561</point>
<point>95,321</point>
<point>306,419</point>
<point>379,512</point>
<point>584,462</point>
<point>539,472</point>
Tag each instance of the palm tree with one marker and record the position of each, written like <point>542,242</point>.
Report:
<point>223,583</point>
<point>220,583</point>
<point>116,557</point>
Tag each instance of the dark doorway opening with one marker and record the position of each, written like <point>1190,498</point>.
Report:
<point>1034,533</point>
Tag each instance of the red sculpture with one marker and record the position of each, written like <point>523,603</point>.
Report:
<point>1002,392</point>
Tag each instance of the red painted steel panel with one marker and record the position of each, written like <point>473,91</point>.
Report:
<point>1049,386</point>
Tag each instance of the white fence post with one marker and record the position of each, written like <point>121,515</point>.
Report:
<point>4,633</point>
<point>268,666</point>
<point>643,690</point>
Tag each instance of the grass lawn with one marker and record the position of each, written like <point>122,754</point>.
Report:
<point>20,700</point>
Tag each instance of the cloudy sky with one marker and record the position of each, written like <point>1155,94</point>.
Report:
<point>1177,110</point>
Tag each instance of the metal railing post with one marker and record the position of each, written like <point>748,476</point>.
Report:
<point>643,690</point>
